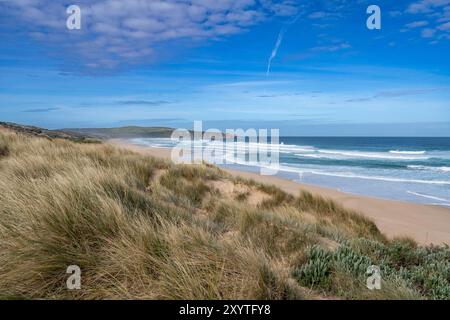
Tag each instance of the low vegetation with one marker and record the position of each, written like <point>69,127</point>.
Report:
<point>48,134</point>
<point>143,228</point>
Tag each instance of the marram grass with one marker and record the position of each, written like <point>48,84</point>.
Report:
<point>143,228</point>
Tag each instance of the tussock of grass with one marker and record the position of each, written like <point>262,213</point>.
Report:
<point>4,149</point>
<point>143,228</point>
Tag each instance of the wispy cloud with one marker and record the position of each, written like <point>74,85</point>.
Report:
<point>275,50</point>
<point>329,48</point>
<point>147,122</point>
<point>360,99</point>
<point>41,110</point>
<point>417,24</point>
<point>281,8</point>
<point>278,43</point>
<point>115,33</point>
<point>277,95</point>
<point>332,47</point>
<point>250,84</point>
<point>438,13</point>
<point>428,33</point>
<point>394,93</point>
<point>426,6</point>
<point>444,27</point>
<point>404,92</point>
<point>143,102</point>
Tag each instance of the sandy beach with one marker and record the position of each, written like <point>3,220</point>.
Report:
<point>424,223</point>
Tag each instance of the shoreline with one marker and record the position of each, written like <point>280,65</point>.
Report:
<point>427,224</point>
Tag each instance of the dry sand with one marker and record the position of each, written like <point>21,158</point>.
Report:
<point>426,224</point>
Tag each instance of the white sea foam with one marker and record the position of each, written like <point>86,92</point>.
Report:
<point>349,175</point>
<point>439,204</point>
<point>388,179</point>
<point>316,156</point>
<point>431,178</point>
<point>297,150</point>
<point>365,177</point>
<point>429,168</point>
<point>428,196</point>
<point>340,154</point>
<point>406,152</point>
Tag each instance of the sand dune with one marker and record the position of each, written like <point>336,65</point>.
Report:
<point>426,224</point>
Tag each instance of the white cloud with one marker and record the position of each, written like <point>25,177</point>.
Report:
<point>332,47</point>
<point>317,15</point>
<point>416,24</point>
<point>281,8</point>
<point>395,13</point>
<point>437,12</point>
<point>426,6</point>
<point>116,33</point>
<point>428,33</point>
<point>445,16</point>
<point>444,27</point>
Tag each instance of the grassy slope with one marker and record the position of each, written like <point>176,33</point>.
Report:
<point>45,133</point>
<point>141,227</point>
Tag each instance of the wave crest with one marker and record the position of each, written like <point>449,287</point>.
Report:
<point>406,152</point>
<point>429,168</point>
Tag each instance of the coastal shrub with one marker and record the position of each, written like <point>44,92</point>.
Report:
<point>316,272</point>
<point>419,271</point>
<point>351,262</point>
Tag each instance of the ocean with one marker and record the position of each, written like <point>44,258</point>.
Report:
<point>408,169</point>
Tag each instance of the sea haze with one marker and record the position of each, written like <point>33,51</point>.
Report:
<point>408,169</point>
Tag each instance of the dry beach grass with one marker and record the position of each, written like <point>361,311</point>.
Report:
<point>141,227</point>
<point>426,224</point>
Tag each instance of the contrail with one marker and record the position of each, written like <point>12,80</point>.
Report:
<point>278,43</point>
<point>275,49</point>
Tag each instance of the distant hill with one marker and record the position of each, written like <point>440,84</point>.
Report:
<point>124,132</point>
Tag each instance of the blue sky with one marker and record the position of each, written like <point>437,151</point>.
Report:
<point>154,62</point>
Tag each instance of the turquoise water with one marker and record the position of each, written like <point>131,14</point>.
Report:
<point>409,169</point>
